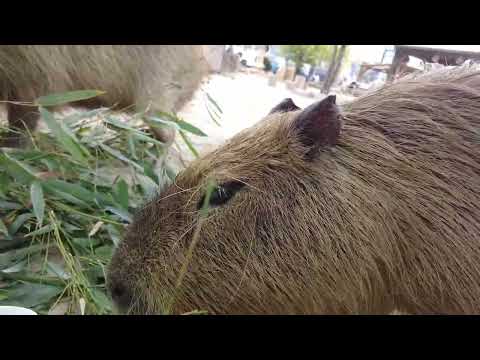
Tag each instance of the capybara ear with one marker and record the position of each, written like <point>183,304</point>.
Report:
<point>285,106</point>
<point>319,124</point>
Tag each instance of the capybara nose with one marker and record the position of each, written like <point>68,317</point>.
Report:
<point>121,294</point>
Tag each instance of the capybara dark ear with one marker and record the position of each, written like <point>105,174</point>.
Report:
<point>285,106</point>
<point>319,124</point>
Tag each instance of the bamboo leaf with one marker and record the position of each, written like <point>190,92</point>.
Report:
<point>67,97</point>
<point>68,142</point>
<point>124,215</point>
<point>189,144</point>
<point>120,156</point>
<point>213,102</point>
<point>38,202</point>
<point>19,221</point>
<point>3,228</point>
<point>121,193</point>
<point>7,205</point>
<point>15,168</point>
<point>29,294</point>
<point>190,128</point>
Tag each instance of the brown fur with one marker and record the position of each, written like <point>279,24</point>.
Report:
<point>132,76</point>
<point>387,219</point>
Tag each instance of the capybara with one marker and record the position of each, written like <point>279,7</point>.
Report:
<point>360,209</point>
<point>133,76</point>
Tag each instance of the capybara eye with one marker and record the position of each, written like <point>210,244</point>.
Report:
<point>222,193</point>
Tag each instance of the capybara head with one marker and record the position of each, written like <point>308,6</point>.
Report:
<point>360,209</point>
<point>239,257</point>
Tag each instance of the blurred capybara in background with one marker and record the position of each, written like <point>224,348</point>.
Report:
<point>360,210</point>
<point>133,77</point>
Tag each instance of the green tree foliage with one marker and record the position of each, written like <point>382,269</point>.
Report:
<point>307,54</point>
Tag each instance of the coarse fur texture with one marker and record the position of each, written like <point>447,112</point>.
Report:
<point>133,76</point>
<point>388,218</point>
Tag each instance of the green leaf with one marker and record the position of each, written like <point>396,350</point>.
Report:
<point>213,102</point>
<point>75,190</point>
<point>70,198</point>
<point>120,156</point>
<point>105,252</point>
<point>68,142</point>
<point>43,230</point>
<point>210,187</point>
<point>150,172</point>
<point>114,234</point>
<point>3,228</point>
<point>18,170</point>
<point>9,258</point>
<point>86,243</point>
<point>213,116</point>
<point>101,300</point>
<point>148,185</point>
<point>18,267</point>
<point>72,120</point>
<point>141,136</point>
<point>121,193</point>
<point>29,295</point>
<point>57,271</point>
<point>32,278</point>
<point>135,132</point>
<point>70,227</point>
<point>4,182</point>
<point>19,221</point>
<point>7,205</point>
<point>190,128</point>
<point>163,122</point>
<point>170,173</point>
<point>179,123</point>
<point>131,147</point>
<point>189,144</point>
<point>67,97</point>
<point>38,202</point>
<point>124,215</point>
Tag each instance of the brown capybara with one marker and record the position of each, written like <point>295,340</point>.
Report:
<point>133,76</point>
<point>356,210</point>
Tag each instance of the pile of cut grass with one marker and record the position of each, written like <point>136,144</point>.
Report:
<point>65,202</point>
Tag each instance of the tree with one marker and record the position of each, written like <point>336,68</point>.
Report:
<point>335,65</point>
<point>306,54</point>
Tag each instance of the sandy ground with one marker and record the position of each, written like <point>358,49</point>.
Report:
<point>244,100</point>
